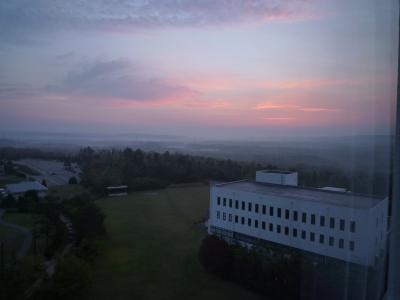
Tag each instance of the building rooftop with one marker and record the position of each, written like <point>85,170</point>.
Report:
<point>116,187</point>
<point>345,199</point>
<point>276,171</point>
<point>25,186</point>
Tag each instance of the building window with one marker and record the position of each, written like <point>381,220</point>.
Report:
<point>249,206</point>
<point>341,224</point>
<point>218,214</point>
<point>287,214</point>
<point>295,215</point>
<point>351,245</point>
<point>236,204</point>
<point>352,226</point>
<point>341,243</point>
<point>264,209</point>
<point>248,222</point>
<point>304,217</point>
<point>230,202</point>
<point>242,220</point>
<point>263,225</point>
<point>321,238</point>
<point>279,212</point>
<point>294,232</point>
<point>312,236</point>
<point>322,221</point>
<point>224,202</point>
<point>303,234</point>
<point>243,205</point>
<point>312,219</point>
<point>256,208</point>
<point>286,230</point>
<point>256,223</point>
<point>219,201</point>
<point>271,227</point>
<point>331,241</point>
<point>230,217</point>
<point>278,228</point>
<point>332,222</point>
<point>236,219</point>
<point>271,211</point>
<point>224,216</point>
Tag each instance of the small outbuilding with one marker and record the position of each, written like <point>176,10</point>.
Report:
<point>121,190</point>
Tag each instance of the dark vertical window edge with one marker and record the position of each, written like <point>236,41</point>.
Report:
<point>393,279</point>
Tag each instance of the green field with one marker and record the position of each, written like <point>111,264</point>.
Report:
<point>66,191</point>
<point>4,180</point>
<point>151,249</point>
<point>12,240</point>
<point>22,219</point>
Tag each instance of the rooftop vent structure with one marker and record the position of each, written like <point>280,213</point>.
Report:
<point>277,177</point>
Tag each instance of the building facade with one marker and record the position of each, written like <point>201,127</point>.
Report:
<point>345,226</point>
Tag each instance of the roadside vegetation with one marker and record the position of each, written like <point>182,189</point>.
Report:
<point>63,248</point>
<point>274,275</point>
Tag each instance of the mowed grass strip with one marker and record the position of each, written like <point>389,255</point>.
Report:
<point>151,249</point>
<point>11,239</point>
<point>22,219</point>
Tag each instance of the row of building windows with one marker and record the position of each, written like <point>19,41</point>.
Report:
<point>284,229</point>
<point>280,211</point>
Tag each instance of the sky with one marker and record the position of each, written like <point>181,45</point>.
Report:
<point>199,68</point>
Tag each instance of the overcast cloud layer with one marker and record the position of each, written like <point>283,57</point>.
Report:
<point>19,18</point>
<point>199,67</point>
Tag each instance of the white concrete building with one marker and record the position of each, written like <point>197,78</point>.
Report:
<point>18,190</point>
<point>346,226</point>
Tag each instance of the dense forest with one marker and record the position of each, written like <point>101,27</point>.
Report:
<point>142,170</point>
<point>146,170</point>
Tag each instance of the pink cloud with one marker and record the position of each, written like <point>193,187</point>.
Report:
<point>228,82</point>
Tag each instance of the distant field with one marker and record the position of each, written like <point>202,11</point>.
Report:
<point>12,240</point>
<point>9,179</point>
<point>151,249</point>
<point>22,219</point>
<point>66,191</point>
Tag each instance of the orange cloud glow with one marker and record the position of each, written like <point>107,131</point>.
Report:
<point>228,82</point>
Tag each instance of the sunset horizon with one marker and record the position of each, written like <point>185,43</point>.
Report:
<point>206,69</point>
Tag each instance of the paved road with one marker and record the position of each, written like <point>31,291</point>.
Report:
<point>26,243</point>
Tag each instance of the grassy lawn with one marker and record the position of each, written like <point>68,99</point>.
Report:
<point>22,219</point>
<point>66,191</point>
<point>151,249</point>
<point>12,240</point>
<point>4,180</point>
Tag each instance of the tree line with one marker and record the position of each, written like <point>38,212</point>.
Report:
<point>141,170</point>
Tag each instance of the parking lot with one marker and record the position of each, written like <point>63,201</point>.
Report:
<point>53,172</point>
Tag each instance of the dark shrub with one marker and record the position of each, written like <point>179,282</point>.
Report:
<point>216,256</point>
<point>73,180</point>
